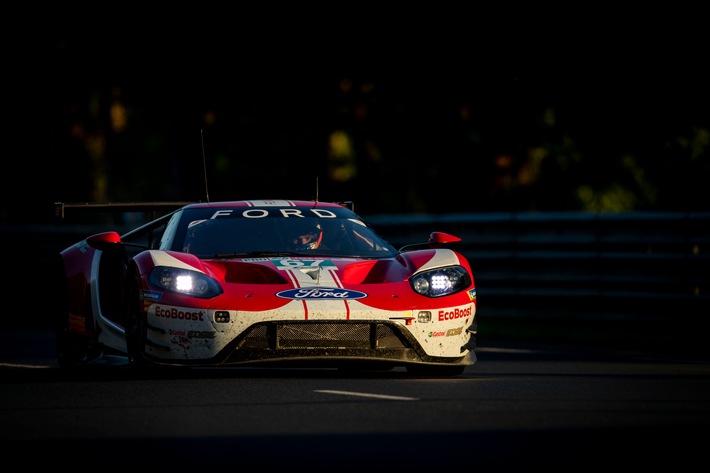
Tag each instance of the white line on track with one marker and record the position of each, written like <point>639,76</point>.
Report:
<point>22,365</point>
<point>377,396</point>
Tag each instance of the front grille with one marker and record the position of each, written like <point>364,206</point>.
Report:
<point>332,335</point>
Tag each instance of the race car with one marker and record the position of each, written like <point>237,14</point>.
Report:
<point>270,283</point>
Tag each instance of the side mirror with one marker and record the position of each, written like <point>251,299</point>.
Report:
<point>440,238</point>
<point>436,240</point>
<point>107,241</point>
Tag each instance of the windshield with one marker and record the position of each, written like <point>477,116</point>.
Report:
<point>214,233</point>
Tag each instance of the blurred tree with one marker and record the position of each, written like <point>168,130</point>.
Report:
<point>122,119</point>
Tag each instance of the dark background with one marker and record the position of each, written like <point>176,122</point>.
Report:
<point>402,112</point>
<point>399,108</point>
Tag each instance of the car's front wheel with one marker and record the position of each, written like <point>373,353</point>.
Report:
<point>71,348</point>
<point>135,325</point>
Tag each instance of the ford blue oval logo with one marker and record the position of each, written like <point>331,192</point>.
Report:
<point>321,293</point>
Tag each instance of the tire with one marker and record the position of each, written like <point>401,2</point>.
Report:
<point>135,326</point>
<point>71,349</point>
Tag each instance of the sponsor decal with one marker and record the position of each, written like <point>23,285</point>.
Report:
<point>191,333</point>
<point>472,294</point>
<point>270,202</point>
<point>288,263</point>
<point>151,295</point>
<point>178,314</point>
<point>287,213</point>
<point>446,333</point>
<point>200,334</point>
<point>457,313</point>
<point>320,293</point>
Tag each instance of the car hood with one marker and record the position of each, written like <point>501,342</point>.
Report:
<point>304,271</point>
<point>260,284</point>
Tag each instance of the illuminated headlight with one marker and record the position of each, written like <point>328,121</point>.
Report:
<point>184,281</point>
<point>441,281</point>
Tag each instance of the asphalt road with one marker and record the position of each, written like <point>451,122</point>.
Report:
<point>534,408</point>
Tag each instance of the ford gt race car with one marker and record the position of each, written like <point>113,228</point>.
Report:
<point>266,283</point>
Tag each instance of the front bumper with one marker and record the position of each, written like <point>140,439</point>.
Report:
<point>324,343</point>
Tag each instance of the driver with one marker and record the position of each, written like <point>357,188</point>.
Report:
<point>309,239</point>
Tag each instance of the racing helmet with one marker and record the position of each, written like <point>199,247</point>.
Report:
<point>308,238</point>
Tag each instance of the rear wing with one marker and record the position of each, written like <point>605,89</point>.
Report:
<point>154,208</point>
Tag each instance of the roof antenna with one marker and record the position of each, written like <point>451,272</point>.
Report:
<point>316,189</point>
<point>204,164</point>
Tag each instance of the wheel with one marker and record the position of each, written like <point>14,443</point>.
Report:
<point>135,325</point>
<point>71,348</point>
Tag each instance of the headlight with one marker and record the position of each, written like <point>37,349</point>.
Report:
<point>441,281</point>
<point>183,281</point>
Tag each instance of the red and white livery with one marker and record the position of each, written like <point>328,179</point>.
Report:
<point>266,283</point>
